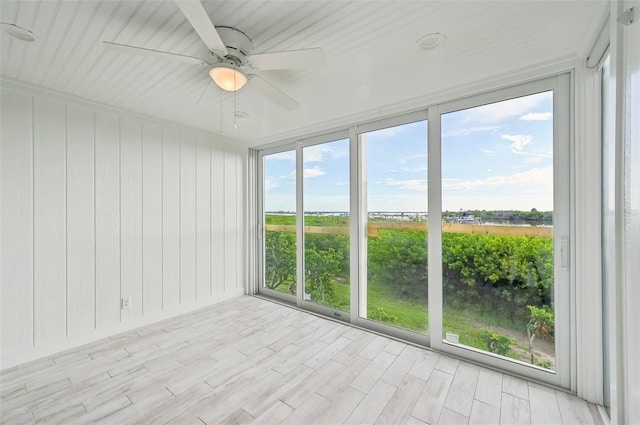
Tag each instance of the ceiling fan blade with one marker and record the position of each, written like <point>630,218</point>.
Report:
<point>292,59</point>
<point>200,21</point>
<point>141,51</point>
<point>273,93</point>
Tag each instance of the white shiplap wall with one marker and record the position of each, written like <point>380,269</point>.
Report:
<point>99,205</point>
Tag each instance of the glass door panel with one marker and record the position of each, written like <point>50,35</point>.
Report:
<point>497,231</point>
<point>326,224</point>
<point>393,286</point>
<point>279,203</point>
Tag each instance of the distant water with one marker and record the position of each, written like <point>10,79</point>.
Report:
<point>518,222</point>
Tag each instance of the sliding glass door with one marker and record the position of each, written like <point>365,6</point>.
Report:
<point>504,204</point>
<point>497,240</point>
<point>326,225</point>
<point>448,227</point>
<point>279,224</point>
<point>393,279</point>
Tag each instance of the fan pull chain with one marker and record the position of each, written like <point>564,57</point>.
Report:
<point>235,124</point>
<point>220,97</point>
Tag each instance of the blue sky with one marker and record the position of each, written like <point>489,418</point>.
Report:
<point>494,157</point>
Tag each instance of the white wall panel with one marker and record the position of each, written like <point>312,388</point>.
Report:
<point>203,219</point>
<point>107,219</point>
<point>49,220</point>
<point>230,211</point>
<point>131,215</point>
<point>99,205</point>
<point>16,220</point>
<point>170,218</point>
<point>218,258</point>
<point>187,218</point>
<point>151,218</point>
<point>80,220</point>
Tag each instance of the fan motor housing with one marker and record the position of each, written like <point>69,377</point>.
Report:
<point>238,44</point>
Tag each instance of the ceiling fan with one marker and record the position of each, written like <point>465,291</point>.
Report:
<point>232,64</point>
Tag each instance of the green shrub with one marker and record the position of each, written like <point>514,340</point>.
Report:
<point>545,364</point>
<point>339,244</point>
<point>280,261</point>
<point>380,315</point>
<point>398,260</point>
<point>497,342</point>
<point>542,322</point>
<point>320,269</point>
<point>492,274</point>
<point>503,273</point>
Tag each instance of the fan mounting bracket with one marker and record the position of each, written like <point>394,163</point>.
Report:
<point>238,45</point>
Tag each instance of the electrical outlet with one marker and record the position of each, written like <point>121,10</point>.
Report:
<point>124,303</point>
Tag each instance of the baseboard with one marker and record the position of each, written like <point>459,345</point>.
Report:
<point>604,416</point>
<point>16,358</point>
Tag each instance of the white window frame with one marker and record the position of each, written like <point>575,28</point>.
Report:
<point>564,242</point>
<point>358,191</point>
<point>261,229</point>
<point>564,286</point>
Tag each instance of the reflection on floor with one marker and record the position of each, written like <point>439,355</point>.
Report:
<point>248,360</point>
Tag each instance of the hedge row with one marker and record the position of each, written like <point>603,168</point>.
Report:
<point>501,273</point>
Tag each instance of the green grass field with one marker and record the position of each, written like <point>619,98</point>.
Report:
<point>383,306</point>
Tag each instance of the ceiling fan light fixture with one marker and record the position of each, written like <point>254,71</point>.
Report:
<point>227,77</point>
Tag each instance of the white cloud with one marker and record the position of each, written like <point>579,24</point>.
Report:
<point>401,201</point>
<point>389,131</point>
<point>500,111</point>
<point>522,202</point>
<point>270,184</point>
<point>537,116</point>
<point>548,154</point>
<point>533,160</point>
<point>308,173</point>
<point>470,130</point>
<point>280,203</point>
<point>518,141</point>
<point>288,156</point>
<point>407,170</point>
<point>313,172</point>
<point>318,153</point>
<point>535,179</point>
<point>327,203</point>
<point>488,151</point>
<point>414,185</point>
<point>408,158</point>
<point>314,153</point>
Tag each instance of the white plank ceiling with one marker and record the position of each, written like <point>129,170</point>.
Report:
<point>372,58</point>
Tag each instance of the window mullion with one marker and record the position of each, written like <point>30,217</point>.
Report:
<point>434,233</point>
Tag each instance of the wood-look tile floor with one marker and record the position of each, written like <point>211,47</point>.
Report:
<point>249,360</point>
